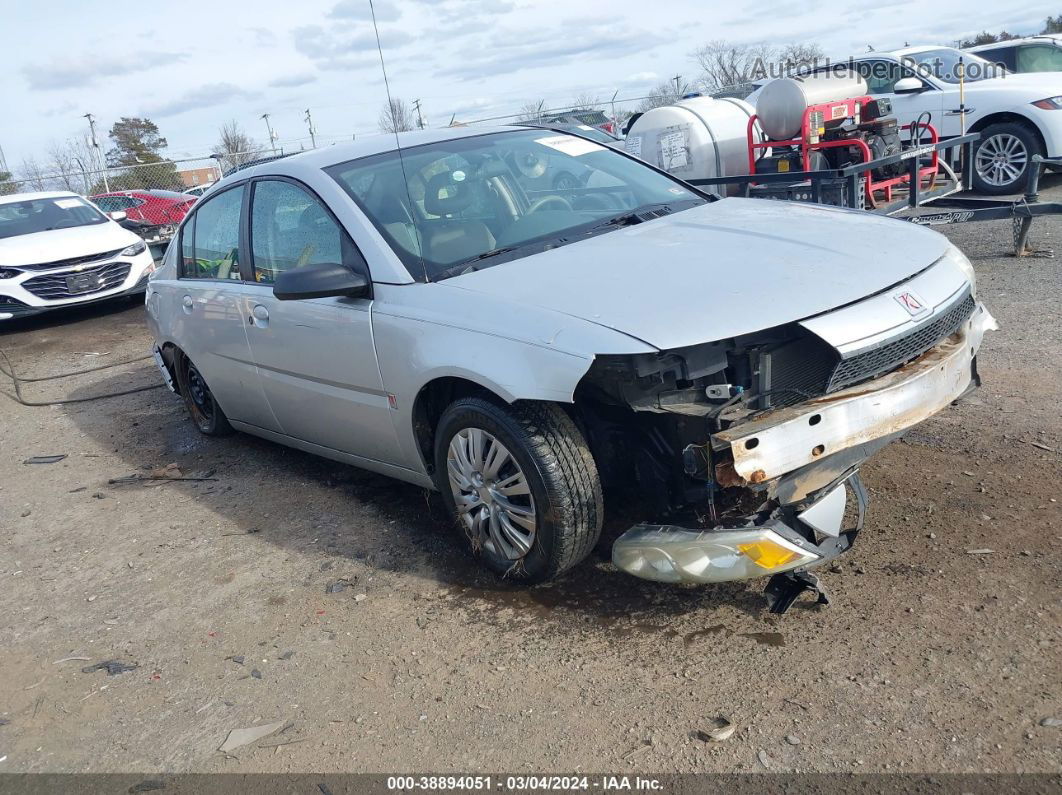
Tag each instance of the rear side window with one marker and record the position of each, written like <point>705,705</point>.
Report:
<point>1040,58</point>
<point>211,239</point>
<point>290,229</point>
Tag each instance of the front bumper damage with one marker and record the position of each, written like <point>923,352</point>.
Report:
<point>804,461</point>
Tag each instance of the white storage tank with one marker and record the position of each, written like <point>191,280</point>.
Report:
<point>695,138</point>
<point>781,103</point>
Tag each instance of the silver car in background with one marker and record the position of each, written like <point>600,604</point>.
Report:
<point>445,315</point>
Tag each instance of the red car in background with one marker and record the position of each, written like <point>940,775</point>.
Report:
<point>154,207</point>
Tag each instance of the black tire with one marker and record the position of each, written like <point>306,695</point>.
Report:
<point>203,409</point>
<point>559,470</point>
<point>991,136</point>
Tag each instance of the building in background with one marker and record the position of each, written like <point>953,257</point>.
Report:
<point>192,177</point>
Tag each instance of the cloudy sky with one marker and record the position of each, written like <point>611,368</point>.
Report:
<point>197,64</point>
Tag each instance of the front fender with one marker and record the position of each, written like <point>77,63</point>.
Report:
<point>423,332</point>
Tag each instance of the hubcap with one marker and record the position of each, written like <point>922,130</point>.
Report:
<point>491,493</point>
<point>1001,159</point>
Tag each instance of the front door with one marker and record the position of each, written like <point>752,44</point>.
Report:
<point>316,356</point>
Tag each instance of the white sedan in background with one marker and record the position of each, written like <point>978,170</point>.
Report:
<point>57,250</point>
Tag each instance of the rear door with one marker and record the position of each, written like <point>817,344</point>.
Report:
<point>209,323</point>
<point>316,356</point>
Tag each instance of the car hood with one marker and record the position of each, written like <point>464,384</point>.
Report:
<point>78,241</point>
<point>1038,85</point>
<point>718,270</point>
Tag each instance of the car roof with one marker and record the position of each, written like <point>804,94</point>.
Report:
<point>1051,37</point>
<point>363,147</point>
<point>46,194</point>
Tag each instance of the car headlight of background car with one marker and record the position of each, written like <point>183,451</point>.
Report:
<point>961,261</point>
<point>139,247</point>
<point>1051,103</point>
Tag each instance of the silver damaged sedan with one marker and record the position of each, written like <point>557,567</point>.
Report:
<point>532,323</point>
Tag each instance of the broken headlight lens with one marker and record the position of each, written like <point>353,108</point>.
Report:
<point>672,554</point>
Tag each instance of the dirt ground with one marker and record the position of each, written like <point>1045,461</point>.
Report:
<point>930,659</point>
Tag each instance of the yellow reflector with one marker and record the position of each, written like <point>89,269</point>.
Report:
<point>767,554</point>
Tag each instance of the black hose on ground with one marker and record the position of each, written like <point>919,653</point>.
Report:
<point>17,381</point>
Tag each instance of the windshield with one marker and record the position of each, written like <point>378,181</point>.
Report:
<point>943,64</point>
<point>44,215</point>
<point>470,203</point>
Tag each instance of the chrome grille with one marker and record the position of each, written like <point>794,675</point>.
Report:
<point>74,284</point>
<point>891,355</point>
<point>69,263</point>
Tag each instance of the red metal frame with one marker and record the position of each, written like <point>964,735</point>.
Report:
<point>832,111</point>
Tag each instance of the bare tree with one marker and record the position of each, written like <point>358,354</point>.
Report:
<point>395,116</point>
<point>793,57</point>
<point>663,94</point>
<point>61,163</point>
<point>586,101</point>
<point>532,111</point>
<point>235,147</point>
<point>33,176</point>
<point>726,64</point>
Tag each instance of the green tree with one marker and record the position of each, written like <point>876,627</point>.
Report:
<point>984,37</point>
<point>1053,25</point>
<point>7,185</point>
<point>135,141</point>
<point>138,149</point>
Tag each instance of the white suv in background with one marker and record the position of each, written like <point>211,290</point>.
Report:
<point>1018,115</point>
<point>1029,54</point>
<point>57,249</point>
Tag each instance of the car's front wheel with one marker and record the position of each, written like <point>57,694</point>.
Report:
<point>521,484</point>
<point>1003,158</point>
<point>204,410</point>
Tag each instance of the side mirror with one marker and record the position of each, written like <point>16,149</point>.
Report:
<point>908,85</point>
<point>117,215</point>
<point>320,281</point>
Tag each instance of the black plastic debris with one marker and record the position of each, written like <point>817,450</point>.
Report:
<point>112,667</point>
<point>339,585</point>
<point>45,459</point>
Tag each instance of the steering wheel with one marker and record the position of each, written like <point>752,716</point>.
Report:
<point>538,204</point>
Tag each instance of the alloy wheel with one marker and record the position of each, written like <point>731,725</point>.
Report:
<point>492,495</point>
<point>1001,159</point>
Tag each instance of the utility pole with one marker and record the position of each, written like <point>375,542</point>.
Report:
<point>678,81</point>
<point>420,119</point>
<point>309,124</point>
<point>96,146</point>
<point>269,129</point>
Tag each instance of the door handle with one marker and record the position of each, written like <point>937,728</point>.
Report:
<point>259,316</point>
<point>188,304</point>
<point>967,111</point>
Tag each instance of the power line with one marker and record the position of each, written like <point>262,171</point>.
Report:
<point>420,118</point>
<point>96,146</point>
<point>309,125</point>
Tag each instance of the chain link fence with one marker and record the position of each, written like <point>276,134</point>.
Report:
<point>178,176</point>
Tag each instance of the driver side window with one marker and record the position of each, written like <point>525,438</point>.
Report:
<point>882,76</point>
<point>290,229</point>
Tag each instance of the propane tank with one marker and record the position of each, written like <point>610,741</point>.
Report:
<point>781,103</point>
<point>695,138</point>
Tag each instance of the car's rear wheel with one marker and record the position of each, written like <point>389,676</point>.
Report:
<point>204,410</point>
<point>522,485</point>
<point>1003,158</point>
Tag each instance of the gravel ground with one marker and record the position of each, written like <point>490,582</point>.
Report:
<point>930,659</point>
